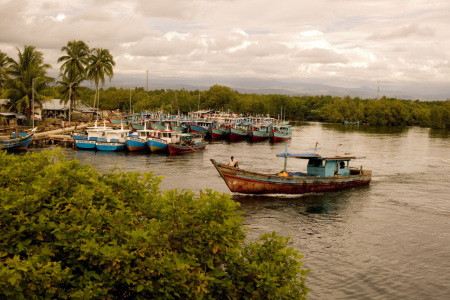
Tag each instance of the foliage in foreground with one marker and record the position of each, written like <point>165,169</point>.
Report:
<point>67,231</point>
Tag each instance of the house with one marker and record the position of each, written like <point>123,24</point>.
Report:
<point>55,108</point>
<point>3,104</point>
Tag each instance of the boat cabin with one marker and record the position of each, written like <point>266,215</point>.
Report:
<point>323,166</point>
<point>116,136</point>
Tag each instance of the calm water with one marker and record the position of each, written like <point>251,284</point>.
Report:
<point>390,240</point>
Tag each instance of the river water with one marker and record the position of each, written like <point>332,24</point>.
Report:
<point>388,240</point>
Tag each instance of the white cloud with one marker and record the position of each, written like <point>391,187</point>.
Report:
<point>328,41</point>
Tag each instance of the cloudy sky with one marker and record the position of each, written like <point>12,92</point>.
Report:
<point>401,44</point>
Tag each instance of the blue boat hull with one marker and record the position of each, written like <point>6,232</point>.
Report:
<point>16,144</point>
<point>105,146</point>
<point>135,145</point>
<point>157,146</point>
<point>85,144</point>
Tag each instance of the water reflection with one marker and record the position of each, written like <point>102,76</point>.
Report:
<point>367,129</point>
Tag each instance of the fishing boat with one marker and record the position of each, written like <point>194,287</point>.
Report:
<point>159,142</point>
<point>188,143</point>
<point>237,132</point>
<point>114,140</point>
<point>199,126</point>
<point>323,174</point>
<point>280,133</point>
<point>218,131</point>
<point>155,126</point>
<point>92,135</point>
<point>259,132</point>
<point>16,142</point>
<point>138,140</point>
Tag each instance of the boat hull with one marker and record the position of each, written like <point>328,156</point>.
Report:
<point>85,144</point>
<point>246,182</point>
<point>135,144</point>
<point>197,128</point>
<point>237,134</point>
<point>20,143</point>
<point>277,137</point>
<point>181,149</point>
<point>257,136</point>
<point>215,133</point>
<point>108,146</point>
<point>157,145</point>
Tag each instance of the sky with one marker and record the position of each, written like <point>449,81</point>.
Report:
<point>394,45</point>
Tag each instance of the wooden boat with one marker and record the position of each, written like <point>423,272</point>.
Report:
<point>323,174</point>
<point>218,131</point>
<point>259,132</point>
<point>188,143</point>
<point>237,133</point>
<point>155,126</point>
<point>198,126</point>
<point>159,142</point>
<point>17,142</point>
<point>138,140</point>
<point>280,133</point>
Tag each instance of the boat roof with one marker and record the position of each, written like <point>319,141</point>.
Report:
<point>317,156</point>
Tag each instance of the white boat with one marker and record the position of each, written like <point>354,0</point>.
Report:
<point>114,140</point>
<point>92,135</point>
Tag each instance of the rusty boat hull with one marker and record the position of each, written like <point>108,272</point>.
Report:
<point>247,182</point>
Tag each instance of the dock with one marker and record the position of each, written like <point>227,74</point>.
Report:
<point>61,136</point>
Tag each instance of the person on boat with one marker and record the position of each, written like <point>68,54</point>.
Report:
<point>233,163</point>
<point>342,164</point>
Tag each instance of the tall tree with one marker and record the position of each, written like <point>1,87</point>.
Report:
<point>70,87</point>
<point>76,58</point>
<point>73,69</point>
<point>4,67</point>
<point>101,64</point>
<point>27,72</point>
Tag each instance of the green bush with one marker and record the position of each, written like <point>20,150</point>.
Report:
<point>67,231</point>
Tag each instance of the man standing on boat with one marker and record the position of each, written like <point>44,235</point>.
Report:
<point>233,163</point>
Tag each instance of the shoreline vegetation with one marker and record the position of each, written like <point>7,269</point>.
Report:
<point>24,81</point>
<point>70,232</point>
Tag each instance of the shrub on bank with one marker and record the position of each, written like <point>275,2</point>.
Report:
<point>67,231</point>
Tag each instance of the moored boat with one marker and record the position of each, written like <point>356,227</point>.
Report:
<point>159,142</point>
<point>237,133</point>
<point>92,134</point>
<point>201,127</point>
<point>259,132</point>
<point>218,131</point>
<point>188,143</point>
<point>138,142</point>
<point>114,140</point>
<point>17,142</point>
<point>329,173</point>
<point>280,133</point>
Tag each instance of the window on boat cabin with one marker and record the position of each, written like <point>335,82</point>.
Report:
<point>315,163</point>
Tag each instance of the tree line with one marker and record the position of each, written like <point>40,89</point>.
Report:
<point>21,78</point>
<point>378,112</point>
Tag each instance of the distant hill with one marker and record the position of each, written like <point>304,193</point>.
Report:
<point>264,86</point>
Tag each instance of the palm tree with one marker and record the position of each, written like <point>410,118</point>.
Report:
<point>27,72</point>
<point>76,58</point>
<point>101,63</point>
<point>73,69</point>
<point>70,88</point>
<point>4,69</point>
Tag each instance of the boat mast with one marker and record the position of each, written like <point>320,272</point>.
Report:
<point>285,158</point>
